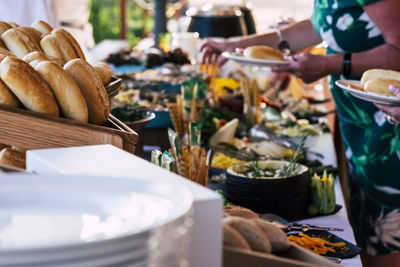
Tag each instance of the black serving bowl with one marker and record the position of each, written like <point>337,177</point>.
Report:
<point>288,197</point>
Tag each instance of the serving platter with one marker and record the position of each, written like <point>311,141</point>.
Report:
<point>367,96</point>
<point>254,61</point>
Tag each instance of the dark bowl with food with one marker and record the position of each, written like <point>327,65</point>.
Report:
<point>134,118</point>
<point>264,188</point>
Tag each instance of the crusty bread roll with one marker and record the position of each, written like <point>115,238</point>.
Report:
<point>28,86</point>
<point>18,42</point>
<point>277,237</point>
<point>240,212</point>
<point>380,86</point>
<point>4,26</point>
<point>36,35</point>
<point>92,89</point>
<point>50,48</point>
<point>72,41</point>
<point>7,97</point>
<point>68,95</point>
<point>5,53</point>
<point>12,158</point>
<point>234,238</point>
<point>42,26</point>
<point>37,55</point>
<point>2,44</point>
<point>262,52</point>
<point>253,235</point>
<point>104,71</point>
<point>13,24</point>
<point>65,46</point>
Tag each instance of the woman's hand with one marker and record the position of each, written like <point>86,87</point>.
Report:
<point>392,113</point>
<point>308,67</point>
<point>212,51</point>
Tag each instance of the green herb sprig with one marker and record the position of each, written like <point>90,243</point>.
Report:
<point>297,152</point>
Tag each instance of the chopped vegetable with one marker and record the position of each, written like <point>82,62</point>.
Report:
<point>318,245</point>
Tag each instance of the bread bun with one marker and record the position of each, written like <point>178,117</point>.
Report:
<point>7,97</point>
<point>12,158</point>
<point>253,235</point>
<point>13,24</point>
<point>380,86</point>
<point>378,81</point>
<point>240,212</point>
<point>72,41</point>
<point>234,238</point>
<point>37,55</point>
<point>104,71</point>
<point>50,48</point>
<point>277,237</point>
<point>28,86</point>
<point>263,52</point>
<point>92,89</point>
<point>19,42</point>
<point>35,34</point>
<point>5,53</point>
<point>379,73</point>
<point>42,26</point>
<point>65,46</point>
<point>68,95</point>
<point>4,26</point>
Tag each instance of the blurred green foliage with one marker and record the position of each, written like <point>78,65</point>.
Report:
<point>105,18</point>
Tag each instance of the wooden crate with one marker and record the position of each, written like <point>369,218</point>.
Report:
<point>31,130</point>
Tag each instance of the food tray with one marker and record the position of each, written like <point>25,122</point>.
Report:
<point>31,130</point>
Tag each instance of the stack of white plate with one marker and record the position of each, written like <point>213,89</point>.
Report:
<point>62,221</point>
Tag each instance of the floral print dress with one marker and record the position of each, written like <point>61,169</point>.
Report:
<point>372,145</point>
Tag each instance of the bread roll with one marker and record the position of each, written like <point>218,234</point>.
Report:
<point>68,95</point>
<point>380,86</point>
<point>18,42</point>
<point>379,73</point>
<point>234,238</point>
<point>37,55</point>
<point>12,158</point>
<point>277,237</point>
<point>65,46</point>
<point>104,71</point>
<point>240,212</point>
<point>13,24</point>
<point>42,26</point>
<point>35,34</point>
<point>72,41</point>
<point>5,53</point>
<point>262,52</point>
<point>4,26</point>
<point>92,89</point>
<point>253,235</point>
<point>7,97</point>
<point>28,86</point>
<point>50,48</point>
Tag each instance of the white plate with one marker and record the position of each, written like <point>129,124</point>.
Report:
<point>367,96</point>
<point>254,61</point>
<point>68,217</point>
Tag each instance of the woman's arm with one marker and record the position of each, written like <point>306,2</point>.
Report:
<point>299,36</point>
<point>385,14</point>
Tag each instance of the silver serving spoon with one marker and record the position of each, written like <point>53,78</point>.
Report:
<point>289,226</point>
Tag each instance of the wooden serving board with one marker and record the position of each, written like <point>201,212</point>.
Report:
<point>31,130</point>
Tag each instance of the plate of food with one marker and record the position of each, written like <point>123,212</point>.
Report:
<point>374,86</point>
<point>261,56</point>
<point>325,243</point>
